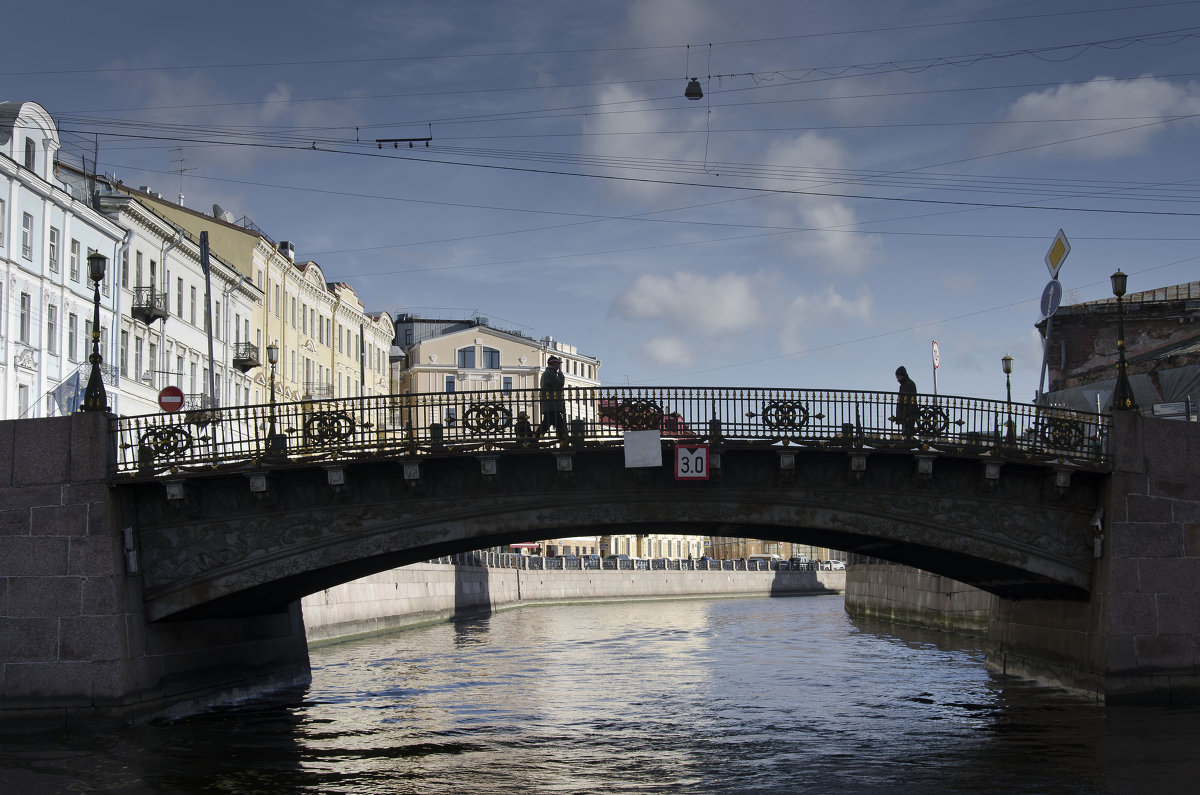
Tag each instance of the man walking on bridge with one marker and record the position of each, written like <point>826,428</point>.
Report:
<point>906,403</point>
<point>553,401</point>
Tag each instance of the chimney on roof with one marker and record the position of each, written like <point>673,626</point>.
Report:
<point>288,250</point>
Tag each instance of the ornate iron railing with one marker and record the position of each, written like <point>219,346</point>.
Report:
<point>442,423</point>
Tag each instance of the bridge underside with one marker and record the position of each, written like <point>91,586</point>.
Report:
<point>230,544</point>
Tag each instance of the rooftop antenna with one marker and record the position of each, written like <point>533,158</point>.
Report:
<point>181,160</point>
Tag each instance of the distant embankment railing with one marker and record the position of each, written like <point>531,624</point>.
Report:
<point>514,560</point>
<point>391,426</point>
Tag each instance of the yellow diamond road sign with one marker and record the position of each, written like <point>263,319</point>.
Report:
<point>1057,253</point>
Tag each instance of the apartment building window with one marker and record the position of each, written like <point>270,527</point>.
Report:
<point>152,369</point>
<point>179,296</point>
<point>52,254</point>
<point>304,319</point>
<point>192,379</point>
<point>237,328</point>
<point>192,307</point>
<point>26,313</point>
<point>137,357</point>
<point>22,399</point>
<point>137,270</point>
<point>52,329</point>
<point>277,301</point>
<point>125,268</point>
<point>27,236</point>
<point>30,154</point>
<point>72,333</point>
<point>449,383</point>
<point>491,359</point>
<point>216,320</point>
<point>507,383</point>
<point>124,354</point>
<point>2,224</point>
<point>466,357</point>
<point>74,260</point>
<point>293,311</point>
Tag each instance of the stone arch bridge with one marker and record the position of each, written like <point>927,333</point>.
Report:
<point>251,508</point>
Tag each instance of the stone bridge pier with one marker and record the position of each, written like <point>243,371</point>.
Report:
<point>74,643</point>
<point>1137,638</point>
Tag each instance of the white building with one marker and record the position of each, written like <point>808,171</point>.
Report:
<point>47,231</point>
<point>164,330</point>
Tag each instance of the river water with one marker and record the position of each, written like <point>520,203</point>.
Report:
<point>703,696</point>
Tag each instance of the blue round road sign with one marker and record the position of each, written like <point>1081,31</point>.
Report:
<point>1050,298</point>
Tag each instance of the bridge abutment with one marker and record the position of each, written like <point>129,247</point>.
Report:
<point>1138,636</point>
<point>74,644</point>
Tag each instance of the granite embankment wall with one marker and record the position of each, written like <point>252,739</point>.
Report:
<point>900,593</point>
<point>431,592</point>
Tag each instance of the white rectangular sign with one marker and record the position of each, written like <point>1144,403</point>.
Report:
<point>643,449</point>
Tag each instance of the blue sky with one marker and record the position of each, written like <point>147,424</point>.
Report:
<point>860,178</point>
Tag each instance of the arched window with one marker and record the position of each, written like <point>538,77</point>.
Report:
<point>466,357</point>
<point>491,359</point>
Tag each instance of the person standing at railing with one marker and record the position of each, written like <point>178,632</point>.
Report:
<point>906,403</point>
<point>553,400</point>
<point>523,429</point>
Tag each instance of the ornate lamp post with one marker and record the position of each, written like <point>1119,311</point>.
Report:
<point>1122,398</point>
<point>275,441</point>
<point>94,397</point>
<point>1010,433</point>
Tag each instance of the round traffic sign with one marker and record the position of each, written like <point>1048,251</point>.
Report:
<point>170,399</point>
<point>1050,297</point>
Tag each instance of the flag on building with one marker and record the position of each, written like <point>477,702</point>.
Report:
<point>69,394</point>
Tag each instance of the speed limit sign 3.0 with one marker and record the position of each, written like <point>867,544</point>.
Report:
<point>691,462</point>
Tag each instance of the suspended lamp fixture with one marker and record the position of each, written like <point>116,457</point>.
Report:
<point>693,90</point>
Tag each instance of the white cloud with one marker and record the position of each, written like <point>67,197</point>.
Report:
<point>823,161</point>
<point>1103,105</point>
<point>667,351</point>
<point>823,309</point>
<point>694,302</point>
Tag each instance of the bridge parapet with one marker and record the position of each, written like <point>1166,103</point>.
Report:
<point>393,426</point>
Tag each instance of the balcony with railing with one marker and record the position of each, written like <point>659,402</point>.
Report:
<point>245,356</point>
<point>315,390</point>
<point>149,306</point>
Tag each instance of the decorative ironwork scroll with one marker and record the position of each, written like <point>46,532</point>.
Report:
<point>790,415</point>
<point>328,427</point>
<point>487,418</point>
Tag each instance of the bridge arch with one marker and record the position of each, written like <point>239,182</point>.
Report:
<point>237,543</point>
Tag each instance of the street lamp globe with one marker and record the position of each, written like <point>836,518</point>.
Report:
<point>1119,281</point>
<point>97,264</point>
<point>1006,362</point>
<point>273,354</point>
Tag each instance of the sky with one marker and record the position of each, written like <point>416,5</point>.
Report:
<point>860,178</point>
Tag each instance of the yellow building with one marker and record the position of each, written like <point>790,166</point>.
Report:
<point>328,345</point>
<point>444,356</point>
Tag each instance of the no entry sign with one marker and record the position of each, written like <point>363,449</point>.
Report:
<point>170,399</point>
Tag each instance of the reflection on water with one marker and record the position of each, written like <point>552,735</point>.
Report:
<point>769,695</point>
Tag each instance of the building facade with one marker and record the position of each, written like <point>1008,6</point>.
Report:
<point>47,230</point>
<point>1162,349</point>
<point>170,306</point>
<point>329,345</point>
<point>441,356</point>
